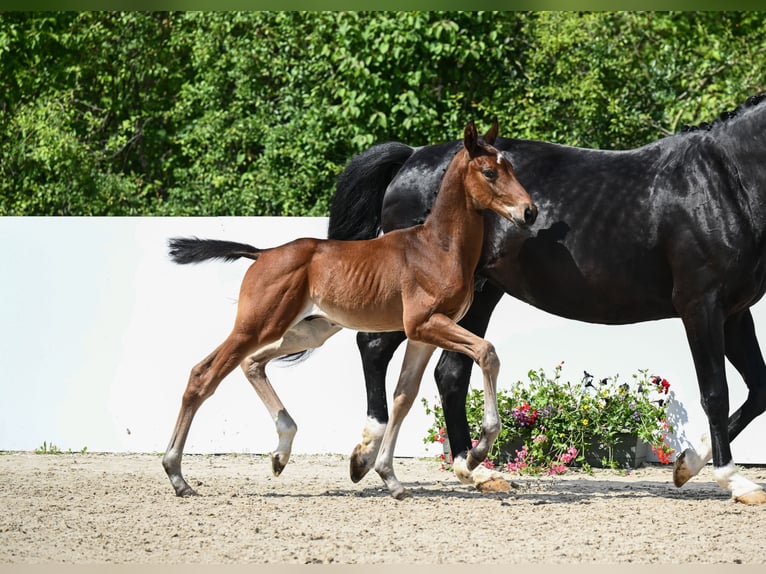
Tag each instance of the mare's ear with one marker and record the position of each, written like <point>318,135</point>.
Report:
<point>491,134</point>
<point>471,138</point>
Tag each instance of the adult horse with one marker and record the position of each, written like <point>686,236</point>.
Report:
<point>419,280</point>
<point>676,228</point>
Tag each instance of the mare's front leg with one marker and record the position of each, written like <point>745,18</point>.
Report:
<point>203,381</point>
<point>416,359</point>
<point>742,349</point>
<point>704,324</point>
<point>376,350</point>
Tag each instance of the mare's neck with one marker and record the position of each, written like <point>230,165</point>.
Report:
<point>743,139</point>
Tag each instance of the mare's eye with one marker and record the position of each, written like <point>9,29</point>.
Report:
<point>489,174</point>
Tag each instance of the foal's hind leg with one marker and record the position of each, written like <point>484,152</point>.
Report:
<point>308,334</point>
<point>203,381</point>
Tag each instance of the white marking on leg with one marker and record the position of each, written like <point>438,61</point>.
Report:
<point>696,461</point>
<point>480,477</point>
<point>460,467</point>
<point>372,435</point>
<point>729,478</point>
<point>286,429</point>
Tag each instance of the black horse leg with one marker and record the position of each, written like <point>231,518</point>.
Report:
<point>743,351</point>
<point>376,350</point>
<point>706,334</point>
<point>453,373</point>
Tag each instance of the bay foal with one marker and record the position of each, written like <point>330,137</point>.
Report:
<point>417,280</point>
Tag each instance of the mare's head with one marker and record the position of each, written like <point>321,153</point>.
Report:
<point>490,180</point>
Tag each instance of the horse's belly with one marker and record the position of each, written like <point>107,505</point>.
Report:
<point>372,319</point>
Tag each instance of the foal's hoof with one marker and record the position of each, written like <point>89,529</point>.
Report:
<point>277,466</point>
<point>681,472</point>
<point>359,465</point>
<point>494,484</point>
<point>753,497</point>
<point>401,494</point>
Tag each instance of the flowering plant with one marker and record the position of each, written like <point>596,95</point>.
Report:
<point>549,424</point>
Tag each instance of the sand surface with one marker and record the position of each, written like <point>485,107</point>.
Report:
<point>120,508</point>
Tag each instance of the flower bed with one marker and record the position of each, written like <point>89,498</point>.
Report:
<point>550,424</point>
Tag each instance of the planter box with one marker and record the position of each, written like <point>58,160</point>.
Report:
<point>628,451</point>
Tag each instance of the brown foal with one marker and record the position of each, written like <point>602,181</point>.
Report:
<point>418,280</point>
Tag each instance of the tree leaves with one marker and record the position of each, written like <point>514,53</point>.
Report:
<point>255,113</point>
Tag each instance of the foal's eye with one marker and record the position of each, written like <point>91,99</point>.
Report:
<point>489,174</point>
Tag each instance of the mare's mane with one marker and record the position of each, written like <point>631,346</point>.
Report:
<point>727,115</point>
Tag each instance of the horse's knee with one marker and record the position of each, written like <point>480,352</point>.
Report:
<point>757,397</point>
<point>452,372</point>
<point>198,388</point>
<point>716,405</point>
<point>488,359</point>
<point>253,367</point>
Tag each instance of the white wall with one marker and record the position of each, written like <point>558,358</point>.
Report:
<point>99,331</point>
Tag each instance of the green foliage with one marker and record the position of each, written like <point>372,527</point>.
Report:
<point>50,448</point>
<point>548,423</point>
<point>255,113</point>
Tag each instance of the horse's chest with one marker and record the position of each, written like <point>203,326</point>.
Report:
<point>455,300</point>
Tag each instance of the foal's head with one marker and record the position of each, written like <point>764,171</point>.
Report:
<point>490,180</point>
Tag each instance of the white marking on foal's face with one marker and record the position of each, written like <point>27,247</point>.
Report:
<point>500,157</point>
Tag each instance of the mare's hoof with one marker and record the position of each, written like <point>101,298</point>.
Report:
<point>681,473</point>
<point>753,497</point>
<point>359,465</point>
<point>494,484</point>
<point>186,492</point>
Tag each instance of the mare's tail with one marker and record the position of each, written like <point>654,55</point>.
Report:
<point>355,210</point>
<point>185,250</point>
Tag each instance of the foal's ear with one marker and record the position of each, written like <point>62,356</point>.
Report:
<point>491,134</point>
<point>471,138</point>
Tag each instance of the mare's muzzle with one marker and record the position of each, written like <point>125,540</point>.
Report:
<point>530,214</point>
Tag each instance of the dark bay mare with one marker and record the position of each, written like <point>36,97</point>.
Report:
<point>418,280</point>
<point>676,228</point>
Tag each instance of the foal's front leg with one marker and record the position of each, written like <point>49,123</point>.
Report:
<point>415,361</point>
<point>445,333</point>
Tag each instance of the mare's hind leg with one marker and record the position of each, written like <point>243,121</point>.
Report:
<point>203,381</point>
<point>705,331</point>
<point>308,334</point>
<point>376,350</point>
<point>743,351</point>
<point>415,361</point>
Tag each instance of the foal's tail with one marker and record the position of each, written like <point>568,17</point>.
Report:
<point>185,250</point>
<point>356,206</point>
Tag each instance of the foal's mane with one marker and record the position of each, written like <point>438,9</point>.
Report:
<point>727,115</point>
